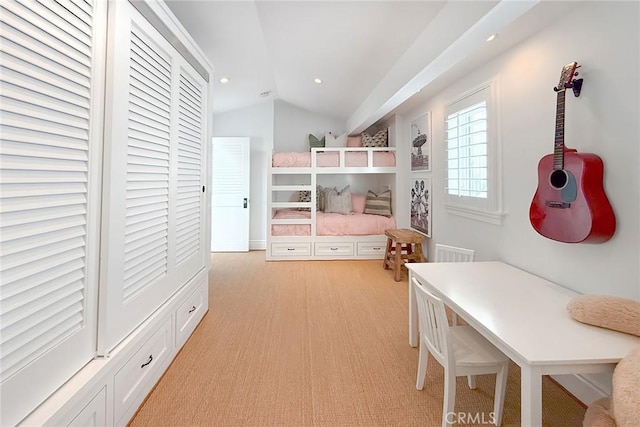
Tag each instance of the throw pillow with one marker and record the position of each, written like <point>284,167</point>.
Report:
<point>354,141</point>
<point>619,314</point>
<point>335,141</point>
<point>377,140</point>
<point>358,202</point>
<point>378,204</point>
<point>321,197</point>
<point>315,142</point>
<point>305,197</point>
<point>339,201</point>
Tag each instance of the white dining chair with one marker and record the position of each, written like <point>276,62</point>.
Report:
<point>461,351</point>
<point>445,253</point>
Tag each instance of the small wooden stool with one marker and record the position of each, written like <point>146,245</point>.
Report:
<point>400,249</point>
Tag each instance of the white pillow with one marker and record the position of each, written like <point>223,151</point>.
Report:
<point>335,141</point>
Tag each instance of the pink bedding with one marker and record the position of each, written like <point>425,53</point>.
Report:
<point>332,224</point>
<point>332,159</point>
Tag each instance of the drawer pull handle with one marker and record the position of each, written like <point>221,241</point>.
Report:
<point>193,308</point>
<point>334,249</point>
<point>377,248</point>
<point>291,249</point>
<point>148,361</point>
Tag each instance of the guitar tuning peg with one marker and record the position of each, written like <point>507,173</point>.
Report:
<point>576,73</point>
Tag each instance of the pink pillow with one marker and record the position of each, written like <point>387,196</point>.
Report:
<point>354,141</point>
<point>358,202</point>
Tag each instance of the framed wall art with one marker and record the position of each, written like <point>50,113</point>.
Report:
<point>421,204</point>
<point>420,133</point>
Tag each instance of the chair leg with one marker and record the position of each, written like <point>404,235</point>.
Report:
<point>498,400</point>
<point>449,404</point>
<point>471,379</point>
<point>423,358</point>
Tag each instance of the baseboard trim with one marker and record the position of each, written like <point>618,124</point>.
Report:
<point>585,388</point>
<point>257,245</point>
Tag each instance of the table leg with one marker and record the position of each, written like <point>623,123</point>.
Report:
<point>531,397</point>
<point>413,314</point>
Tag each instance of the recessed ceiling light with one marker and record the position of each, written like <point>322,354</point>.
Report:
<point>317,80</point>
<point>492,37</point>
<point>224,80</point>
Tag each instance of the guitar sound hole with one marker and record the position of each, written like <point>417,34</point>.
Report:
<point>558,179</point>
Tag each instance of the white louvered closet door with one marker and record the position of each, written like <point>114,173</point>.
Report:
<point>154,201</point>
<point>51,82</point>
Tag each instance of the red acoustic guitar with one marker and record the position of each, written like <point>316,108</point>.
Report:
<point>570,204</point>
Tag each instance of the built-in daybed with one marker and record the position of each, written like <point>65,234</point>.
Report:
<point>330,203</point>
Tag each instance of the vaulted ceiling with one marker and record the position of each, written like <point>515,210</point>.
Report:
<point>371,56</point>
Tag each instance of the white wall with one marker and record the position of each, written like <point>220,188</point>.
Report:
<point>256,122</point>
<point>604,38</point>
<point>292,126</point>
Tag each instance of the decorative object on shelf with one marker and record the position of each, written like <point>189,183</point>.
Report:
<point>420,133</point>
<point>570,204</point>
<point>421,204</point>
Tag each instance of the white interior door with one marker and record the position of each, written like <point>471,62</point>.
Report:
<point>230,195</point>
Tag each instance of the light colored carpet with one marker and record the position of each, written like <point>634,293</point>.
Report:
<point>321,343</point>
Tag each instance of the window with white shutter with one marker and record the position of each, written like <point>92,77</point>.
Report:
<point>472,156</point>
<point>49,194</point>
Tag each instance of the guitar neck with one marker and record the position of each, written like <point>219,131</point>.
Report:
<point>558,146</point>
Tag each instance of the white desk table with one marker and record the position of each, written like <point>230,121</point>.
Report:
<point>525,316</point>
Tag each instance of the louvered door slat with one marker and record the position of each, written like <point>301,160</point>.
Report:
<point>75,45</point>
<point>148,168</point>
<point>41,80</point>
<point>189,197</point>
<point>46,177</point>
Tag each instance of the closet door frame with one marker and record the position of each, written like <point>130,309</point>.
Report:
<point>118,316</point>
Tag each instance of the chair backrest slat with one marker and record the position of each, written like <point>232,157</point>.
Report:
<point>433,323</point>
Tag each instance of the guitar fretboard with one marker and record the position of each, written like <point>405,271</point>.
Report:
<point>558,148</point>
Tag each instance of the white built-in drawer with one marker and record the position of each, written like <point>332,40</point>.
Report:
<point>372,248</point>
<point>334,249</point>
<point>189,314</point>
<point>291,249</point>
<point>141,371</point>
<point>94,414</point>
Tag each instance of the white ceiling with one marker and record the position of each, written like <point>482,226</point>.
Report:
<point>372,55</point>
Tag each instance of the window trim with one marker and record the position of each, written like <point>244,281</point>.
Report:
<point>490,211</point>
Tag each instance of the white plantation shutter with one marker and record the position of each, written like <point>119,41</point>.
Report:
<point>48,181</point>
<point>147,193</point>
<point>152,243</point>
<point>473,155</point>
<point>190,148</point>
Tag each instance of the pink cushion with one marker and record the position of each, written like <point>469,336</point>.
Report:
<point>358,202</point>
<point>354,141</point>
<point>626,393</point>
<point>619,314</point>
